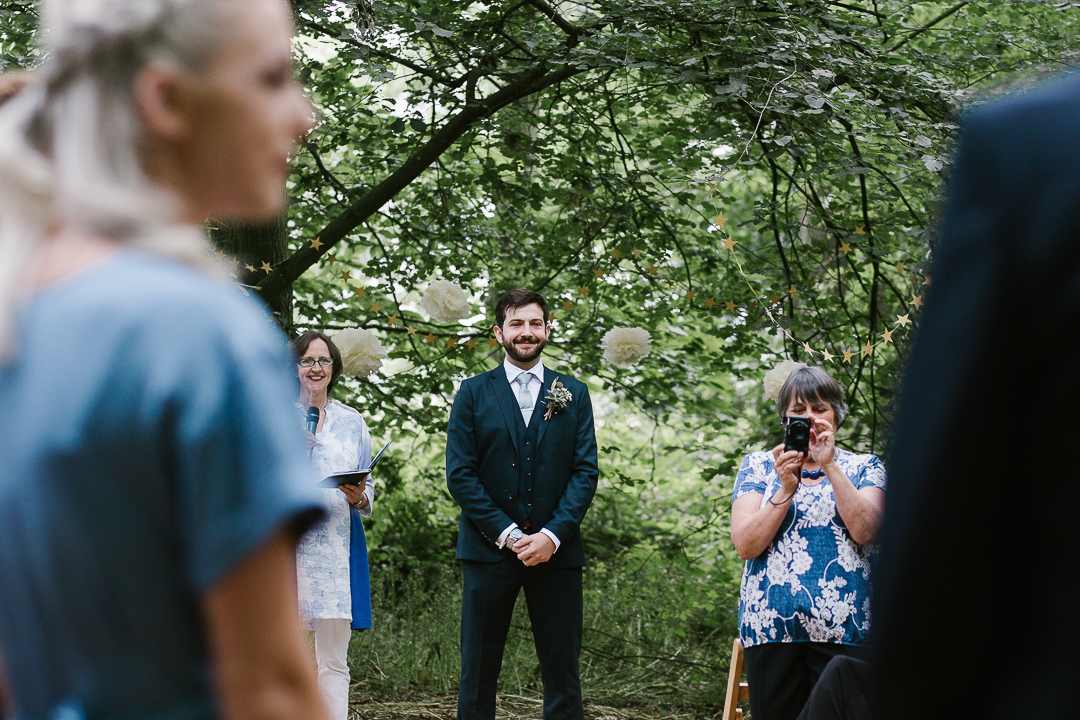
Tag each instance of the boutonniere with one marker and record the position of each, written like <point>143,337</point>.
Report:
<point>557,398</point>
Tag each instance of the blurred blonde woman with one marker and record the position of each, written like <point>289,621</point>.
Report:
<point>153,483</point>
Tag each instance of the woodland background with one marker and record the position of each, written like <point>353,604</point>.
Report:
<point>599,151</point>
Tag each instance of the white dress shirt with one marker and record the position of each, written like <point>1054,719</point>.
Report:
<point>536,384</point>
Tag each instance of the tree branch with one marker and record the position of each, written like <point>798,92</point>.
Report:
<point>859,9</point>
<point>914,215</point>
<point>567,27</point>
<point>326,173</point>
<point>419,69</point>
<point>289,271</point>
<point>926,27</point>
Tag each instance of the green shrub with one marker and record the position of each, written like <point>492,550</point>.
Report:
<point>657,627</point>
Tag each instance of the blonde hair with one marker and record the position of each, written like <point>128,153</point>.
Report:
<point>70,142</point>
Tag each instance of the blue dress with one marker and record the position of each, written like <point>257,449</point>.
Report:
<point>149,446</point>
<point>812,584</point>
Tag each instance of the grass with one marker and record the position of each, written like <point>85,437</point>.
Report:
<point>657,632</point>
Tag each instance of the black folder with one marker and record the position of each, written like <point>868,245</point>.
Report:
<point>352,477</point>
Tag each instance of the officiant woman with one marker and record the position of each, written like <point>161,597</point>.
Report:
<point>805,524</point>
<point>152,483</point>
<point>332,562</point>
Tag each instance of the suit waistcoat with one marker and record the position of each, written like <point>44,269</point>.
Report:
<point>499,457</point>
<point>527,462</point>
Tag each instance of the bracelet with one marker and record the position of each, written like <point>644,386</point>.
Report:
<point>785,500</point>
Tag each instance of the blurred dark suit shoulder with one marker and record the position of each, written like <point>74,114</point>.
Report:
<point>978,576</point>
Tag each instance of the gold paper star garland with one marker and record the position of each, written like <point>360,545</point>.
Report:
<point>902,321</point>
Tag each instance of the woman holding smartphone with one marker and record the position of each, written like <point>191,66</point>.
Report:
<point>805,522</point>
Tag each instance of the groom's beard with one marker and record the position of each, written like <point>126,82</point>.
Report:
<point>522,356</point>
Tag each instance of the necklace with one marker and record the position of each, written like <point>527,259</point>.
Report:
<point>813,474</point>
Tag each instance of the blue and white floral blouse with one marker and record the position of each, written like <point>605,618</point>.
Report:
<point>322,558</point>
<point>812,584</point>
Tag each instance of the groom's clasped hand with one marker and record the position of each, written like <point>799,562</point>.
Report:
<point>534,549</point>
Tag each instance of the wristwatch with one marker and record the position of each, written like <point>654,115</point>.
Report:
<point>512,538</point>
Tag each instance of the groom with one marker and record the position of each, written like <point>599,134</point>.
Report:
<point>524,473</point>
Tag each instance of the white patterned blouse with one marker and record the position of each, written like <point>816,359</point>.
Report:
<point>812,584</point>
<point>322,558</point>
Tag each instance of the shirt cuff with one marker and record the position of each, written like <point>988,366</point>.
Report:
<point>369,493</point>
<point>553,538</point>
<point>502,536</point>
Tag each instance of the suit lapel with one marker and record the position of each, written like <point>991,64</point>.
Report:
<point>541,406</point>
<point>507,404</point>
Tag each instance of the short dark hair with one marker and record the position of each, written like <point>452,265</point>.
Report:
<point>519,298</point>
<point>811,384</point>
<point>299,346</point>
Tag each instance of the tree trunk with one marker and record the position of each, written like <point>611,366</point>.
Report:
<point>252,246</point>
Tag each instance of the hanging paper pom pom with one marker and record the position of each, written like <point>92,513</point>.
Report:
<point>445,301</point>
<point>362,352</point>
<point>775,378</point>
<point>626,346</point>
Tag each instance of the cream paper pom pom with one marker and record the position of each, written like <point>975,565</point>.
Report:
<point>625,346</point>
<point>362,352</point>
<point>775,378</point>
<point>445,301</point>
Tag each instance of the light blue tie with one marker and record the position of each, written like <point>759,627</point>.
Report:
<point>525,401</point>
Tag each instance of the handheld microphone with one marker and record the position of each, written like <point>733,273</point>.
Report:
<point>312,423</point>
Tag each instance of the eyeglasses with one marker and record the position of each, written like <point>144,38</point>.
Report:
<point>310,362</point>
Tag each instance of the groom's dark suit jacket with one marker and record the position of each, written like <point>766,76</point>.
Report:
<point>500,471</point>
<point>977,595</point>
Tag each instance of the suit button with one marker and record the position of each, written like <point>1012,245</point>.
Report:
<point>528,458</point>
<point>511,496</point>
<point>526,442</point>
<point>513,464</point>
<point>529,473</point>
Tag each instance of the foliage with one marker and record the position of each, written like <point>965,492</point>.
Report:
<point>600,150</point>
<point>18,25</point>
<point>583,149</point>
<point>655,628</point>
<point>415,526</point>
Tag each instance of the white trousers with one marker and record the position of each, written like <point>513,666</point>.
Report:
<point>331,654</point>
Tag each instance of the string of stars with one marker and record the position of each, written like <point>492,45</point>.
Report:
<point>902,321</point>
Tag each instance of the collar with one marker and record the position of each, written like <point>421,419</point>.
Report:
<point>326,408</point>
<point>512,371</point>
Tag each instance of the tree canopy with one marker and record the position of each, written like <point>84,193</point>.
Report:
<point>602,151</point>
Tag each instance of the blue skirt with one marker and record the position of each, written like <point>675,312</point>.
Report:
<point>359,575</point>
